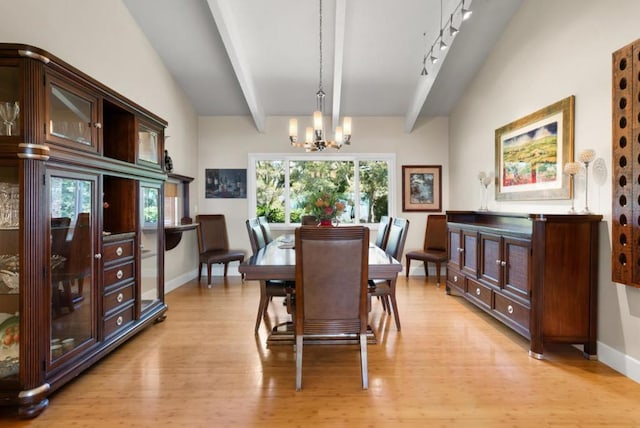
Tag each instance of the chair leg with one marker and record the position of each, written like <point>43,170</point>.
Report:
<point>438,274</point>
<point>262,310</point>
<point>408,266</point>
<point>199,272</point>
<point>298,362</point>
<point>209,274</point>
<point>226,265</point>
<point>363,361</point>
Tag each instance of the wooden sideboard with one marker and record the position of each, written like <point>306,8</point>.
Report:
<point>536,273</point>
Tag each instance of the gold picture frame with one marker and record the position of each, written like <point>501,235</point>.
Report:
<point>531,152</point>
<point>421,188</point>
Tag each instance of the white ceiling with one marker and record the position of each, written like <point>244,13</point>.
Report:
<point>261,57</point>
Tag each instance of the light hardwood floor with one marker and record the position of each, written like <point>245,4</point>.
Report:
<point>451,365</point>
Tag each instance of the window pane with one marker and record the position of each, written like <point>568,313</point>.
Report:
<point>374,193</point>
<point>270,186</point>
<point>309,177</point>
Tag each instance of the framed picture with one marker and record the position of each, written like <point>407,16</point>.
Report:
<point>421,188</point>
<point>225,183</point>
<point>531,153</point>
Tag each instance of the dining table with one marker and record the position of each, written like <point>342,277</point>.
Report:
<point>277,261</point>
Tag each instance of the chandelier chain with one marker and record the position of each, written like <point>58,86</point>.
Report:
<point>320,84</point>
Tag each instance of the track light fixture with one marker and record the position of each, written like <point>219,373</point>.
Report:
<point>439,41</point>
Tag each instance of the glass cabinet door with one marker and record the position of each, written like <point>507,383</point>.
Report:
<point>72,252</point>
<point>9,273</point>
<point>10,105</point>
<point>71,116</point>
<point>151,227</point>
<point>148,149</point>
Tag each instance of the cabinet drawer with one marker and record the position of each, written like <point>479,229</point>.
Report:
<point>118,320</point>
<point>479,293</point>
<point>118,273</point>
<point>456,280</point>
<point>513,311</point>
<point>120,250</point>
<point>118,297</point>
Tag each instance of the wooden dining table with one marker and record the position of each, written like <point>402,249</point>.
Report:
<point>277,261</point>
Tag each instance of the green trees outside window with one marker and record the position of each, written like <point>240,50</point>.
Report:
<point>282,187</point>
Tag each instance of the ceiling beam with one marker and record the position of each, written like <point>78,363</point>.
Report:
<point>338,58</point>
<point>227,28</point>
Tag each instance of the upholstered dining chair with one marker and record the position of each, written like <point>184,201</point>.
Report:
<point>213,244</point>
<point>435,246</point>
<point>331,295</point>
<point>383,231</point>
<point>269,288</point>
<point>386,290</point>
<point>266,229</point>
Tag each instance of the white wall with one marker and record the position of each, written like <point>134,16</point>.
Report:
<point>100,38</point>
<point>225,142</point>
<point>550,50</point>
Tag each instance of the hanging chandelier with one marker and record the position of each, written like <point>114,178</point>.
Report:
<point>315,137</point>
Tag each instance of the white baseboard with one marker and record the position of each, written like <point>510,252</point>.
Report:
<point>626,365</point>
<point>174,283</point>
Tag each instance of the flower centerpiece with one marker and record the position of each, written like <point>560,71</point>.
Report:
<point>324,206</point>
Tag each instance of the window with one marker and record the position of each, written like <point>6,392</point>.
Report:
<point>280,185</point>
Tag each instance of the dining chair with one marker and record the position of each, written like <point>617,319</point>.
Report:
<point>213,244</point>
<point>269,288</point>
<point>331,295</point>
<point>386,289</point>
<point>435,246</point>
<point>383,231</point>
<point>266,229</point>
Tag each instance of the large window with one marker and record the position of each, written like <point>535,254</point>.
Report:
<point>280,185</point>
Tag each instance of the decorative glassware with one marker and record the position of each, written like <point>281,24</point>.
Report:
<point>485,180</point>
<point>9,112</point>
<point>571,169</point>
<point>586,157</point>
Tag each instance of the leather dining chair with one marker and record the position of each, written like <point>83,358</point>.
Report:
<point>435,246</point>
<point>266,229</point>
<point>383,231</point>
<point>269,288</point>
<point>213,244</point>
<point>386,289</point>
<point>331,295</point>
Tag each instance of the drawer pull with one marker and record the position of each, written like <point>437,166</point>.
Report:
<point>119,274</point>
<point>120,320</point>
<point>510,309</point>
<point>498,262</point>
<point>455,278</point>
<point>503,264</point>
<point>119,251</point>
<point>478,291</point>
<point>120,297</point>
<point>460,250</point>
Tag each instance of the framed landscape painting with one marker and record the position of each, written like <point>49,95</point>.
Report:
<point>421,188</point>
<point>531,153</point>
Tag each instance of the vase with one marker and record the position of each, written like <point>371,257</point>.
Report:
<point>325,222</point>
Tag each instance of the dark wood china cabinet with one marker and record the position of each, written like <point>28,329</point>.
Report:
<point>81,223</point>
<point>536,273</point>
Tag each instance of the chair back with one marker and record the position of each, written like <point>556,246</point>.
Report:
<point>435,237</point>
<point>80,249</point>
<point>308,220</point>
<point>331,294</point>
<point>383,231</point>
<point>212,232</point>
<point>266,229</point>
<point>59,232</point>
<point>255,232</point>
<point>398,230</point>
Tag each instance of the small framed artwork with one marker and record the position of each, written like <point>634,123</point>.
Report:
<point>531,153</point>
<point>421,188</point>
<point>226,183</point>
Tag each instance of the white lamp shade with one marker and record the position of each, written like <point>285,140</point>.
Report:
<point>346,126</point>
<point>293,127</point>
<point>308,135</point>
<point>339,134</point>
<point>317,120</point>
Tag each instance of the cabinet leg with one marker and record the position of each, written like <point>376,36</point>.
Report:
<point>32,410</point>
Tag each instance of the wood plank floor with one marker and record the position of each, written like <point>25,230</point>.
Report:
<point>451,365</point>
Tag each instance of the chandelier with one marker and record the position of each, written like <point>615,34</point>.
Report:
<point>315,137</point>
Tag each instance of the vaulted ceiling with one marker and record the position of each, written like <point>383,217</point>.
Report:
<point>261,57</point>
